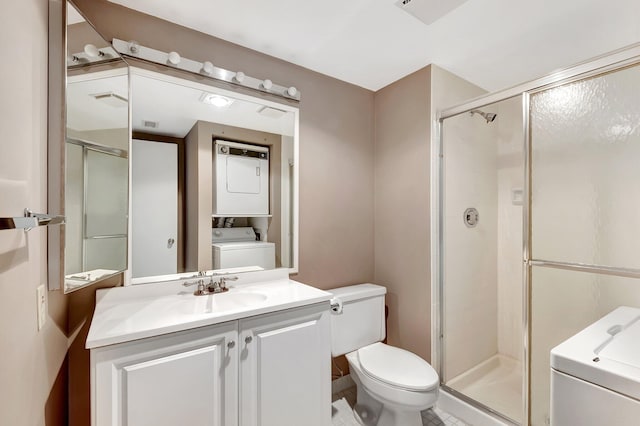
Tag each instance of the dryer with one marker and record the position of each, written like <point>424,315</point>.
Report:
<point>237,247</point>
<point>241,179</point>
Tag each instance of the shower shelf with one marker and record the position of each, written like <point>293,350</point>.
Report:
<point>30,220</point>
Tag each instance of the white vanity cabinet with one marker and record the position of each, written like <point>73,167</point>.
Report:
<point>186,378</point>
<point>270,370</point>
<point>285,369</point>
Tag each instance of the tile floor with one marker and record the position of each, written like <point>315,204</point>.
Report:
<point>342,415</point>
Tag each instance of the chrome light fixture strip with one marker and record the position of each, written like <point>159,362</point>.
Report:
<point>205,69</point>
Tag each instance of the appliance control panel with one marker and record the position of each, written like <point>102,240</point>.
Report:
<point>228,235</point>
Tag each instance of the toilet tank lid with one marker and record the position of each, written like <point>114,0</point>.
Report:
<point>358,291</point>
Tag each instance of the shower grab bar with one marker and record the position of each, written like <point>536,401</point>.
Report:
<point>583,267</point>
<point>30,220</point>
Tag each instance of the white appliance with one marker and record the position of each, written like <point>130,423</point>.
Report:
<point>595,375</point>
<point>237,247</point>
<point>241,179</point>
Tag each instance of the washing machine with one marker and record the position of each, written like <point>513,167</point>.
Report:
<point>595,375</point>
<point>237,247</point>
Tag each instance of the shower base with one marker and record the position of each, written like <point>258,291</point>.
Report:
<point>496,383</point>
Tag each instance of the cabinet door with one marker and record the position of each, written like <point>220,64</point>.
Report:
<point>187,378</point>
<point>285,371</point>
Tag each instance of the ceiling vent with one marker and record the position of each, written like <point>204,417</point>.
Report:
<point>150,124</point>
<point>271,112</point>
<point>428,11</point>
<point>111,99</point>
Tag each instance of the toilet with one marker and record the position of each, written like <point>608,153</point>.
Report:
<point>393,385</point>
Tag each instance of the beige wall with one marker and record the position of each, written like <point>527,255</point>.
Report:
<point>33,368</point>
<point>402,129</point>
<point>404,115</point>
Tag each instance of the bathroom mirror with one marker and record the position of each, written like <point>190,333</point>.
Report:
<point>193,144</point>
<point>88,152</point>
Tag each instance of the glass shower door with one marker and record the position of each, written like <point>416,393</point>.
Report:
<point>585,204</point>
<point>481,289</point>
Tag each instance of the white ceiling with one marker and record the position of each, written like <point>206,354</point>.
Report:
<point>372,43</point>
<point>177,107</point>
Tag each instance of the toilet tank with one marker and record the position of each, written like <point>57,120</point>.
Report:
<point>359,320</point>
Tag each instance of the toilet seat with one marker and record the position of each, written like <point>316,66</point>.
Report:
<point>397,367</point>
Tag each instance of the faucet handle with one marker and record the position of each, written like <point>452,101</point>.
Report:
<point>223,281</point>
<point>200,283</point>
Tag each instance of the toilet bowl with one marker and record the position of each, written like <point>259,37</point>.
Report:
<point>393,385</point>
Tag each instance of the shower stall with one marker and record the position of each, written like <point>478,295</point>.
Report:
<point>538,194</point>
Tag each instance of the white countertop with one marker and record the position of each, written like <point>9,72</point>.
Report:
<point>135,312</point>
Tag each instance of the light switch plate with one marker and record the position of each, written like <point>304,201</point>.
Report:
<point>42,306</point>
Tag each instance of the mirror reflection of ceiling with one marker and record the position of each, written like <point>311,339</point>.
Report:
<point>89,106</point>
<point>73,17</point>
<point>175,109</point>
<point>492,43</point>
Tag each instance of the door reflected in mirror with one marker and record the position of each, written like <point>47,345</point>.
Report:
<point>213,179</point>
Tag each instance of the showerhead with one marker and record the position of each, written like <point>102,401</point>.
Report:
<point>489,116</point>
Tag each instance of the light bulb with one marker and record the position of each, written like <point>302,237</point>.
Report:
<point>239,77</point>
<point>174,58</point>
<point>267,84</point>
<point>292,91</point>
<point>207,67</point>
<point>92,51</point>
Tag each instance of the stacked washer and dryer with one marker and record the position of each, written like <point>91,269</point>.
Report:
<point>241,189</point>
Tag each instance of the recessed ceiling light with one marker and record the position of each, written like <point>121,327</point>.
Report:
<point>215,100</point>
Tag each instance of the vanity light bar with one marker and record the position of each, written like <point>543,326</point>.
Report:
<point>92,55</point>
<point>173,59</point>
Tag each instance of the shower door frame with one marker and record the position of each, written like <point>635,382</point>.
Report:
<point>601,65</point>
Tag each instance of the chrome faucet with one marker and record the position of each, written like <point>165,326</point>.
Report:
<point>214,287</point>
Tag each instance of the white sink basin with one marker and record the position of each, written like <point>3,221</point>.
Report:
<point>212,303</point>
<point>130,313</point>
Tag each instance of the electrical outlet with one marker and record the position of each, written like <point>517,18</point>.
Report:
<point>41,294</point>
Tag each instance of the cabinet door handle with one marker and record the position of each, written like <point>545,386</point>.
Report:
<point>231,344</point>
<point>248,339</point>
